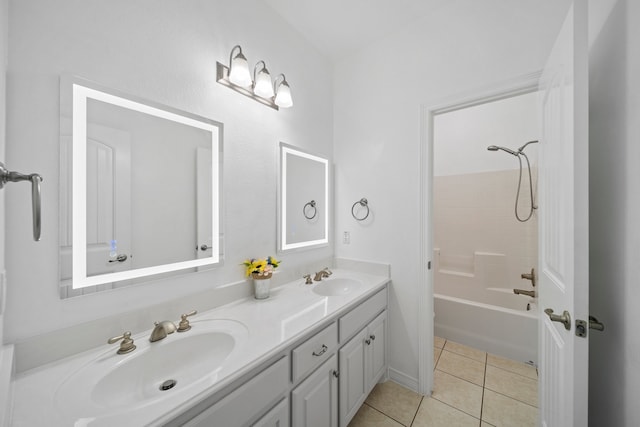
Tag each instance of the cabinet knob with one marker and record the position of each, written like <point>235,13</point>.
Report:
<point>336,374</point>
<point>373,337</point>
<point>368,342</point>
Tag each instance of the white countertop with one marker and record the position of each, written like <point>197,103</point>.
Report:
<point>271,326</point>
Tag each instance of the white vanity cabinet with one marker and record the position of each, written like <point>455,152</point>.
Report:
<point>314,403</point>
<point>276,417</point>
<point>362,363</point>
<point>249,401</point>
<point>322,380</point>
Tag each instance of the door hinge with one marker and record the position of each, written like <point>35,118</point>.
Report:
<point>428,265</point>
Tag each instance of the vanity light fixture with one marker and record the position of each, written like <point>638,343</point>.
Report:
<point>283,92</point>
<point>262,86</point>
<point>238,78</point>
<point>239,68</point>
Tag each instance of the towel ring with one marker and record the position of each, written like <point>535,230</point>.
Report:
<point>364,203</point>
<point>315,210</point>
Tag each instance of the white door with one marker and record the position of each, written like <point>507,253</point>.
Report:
<point>563,225</point>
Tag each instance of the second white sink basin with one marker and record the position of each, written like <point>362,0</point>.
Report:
<point>181,362</point>
<point>336,286</point>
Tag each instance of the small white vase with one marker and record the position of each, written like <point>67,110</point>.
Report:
<point>261,286</point>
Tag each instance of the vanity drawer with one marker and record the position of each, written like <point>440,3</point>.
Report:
<point>357,318</point>
<point>247,401</point>
<point>313,351</point>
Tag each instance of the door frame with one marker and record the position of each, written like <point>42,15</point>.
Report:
<point>520,85</point>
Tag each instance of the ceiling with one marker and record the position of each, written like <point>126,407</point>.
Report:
<point>339,27</point>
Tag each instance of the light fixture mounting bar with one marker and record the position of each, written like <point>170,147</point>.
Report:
<point>222,77</point>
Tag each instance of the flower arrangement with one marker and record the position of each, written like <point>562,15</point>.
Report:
<point>261,268</point>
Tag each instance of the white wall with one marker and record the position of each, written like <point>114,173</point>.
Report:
<point>614,244</point>
<point>378,92</point>
<point>164,51</point>
<point>461,137</point>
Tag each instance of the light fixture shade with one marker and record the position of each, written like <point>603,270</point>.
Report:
<point>262,86</point>
<point>239,73</point>
<point>283,94</point>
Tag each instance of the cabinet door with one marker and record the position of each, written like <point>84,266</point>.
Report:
<point>376,351</point>
<point>315,401</point>
<point>276,417</point>
<point>353,382</point>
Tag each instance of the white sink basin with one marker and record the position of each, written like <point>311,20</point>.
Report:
<point>187,362</point>
<point>336,286</point>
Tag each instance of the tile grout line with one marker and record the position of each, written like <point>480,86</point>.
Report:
<point>484,381</point>
<point>387,415</point>
<point>416,414</point>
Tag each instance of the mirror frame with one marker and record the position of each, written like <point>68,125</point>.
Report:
<point>283,245</point>
<point>82,90</point>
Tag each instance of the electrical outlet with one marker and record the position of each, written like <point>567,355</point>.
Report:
<point>346,238</point>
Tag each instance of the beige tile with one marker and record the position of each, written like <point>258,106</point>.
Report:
<point>512,366</point>
<point>458,393</point>
<point>433,413</point>
<point>395,401</point>
<point>513,385</point>
<point>438,342</point>
<point>461,367</point>
<point>436,356</point>
<point>369,417</point>
<point>500,410</point>
<point>466,351</point>
<point>485,424</point>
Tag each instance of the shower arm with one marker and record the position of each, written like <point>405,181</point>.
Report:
<point>35,179</point>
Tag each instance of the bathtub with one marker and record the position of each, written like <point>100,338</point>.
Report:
<point>503,331</point>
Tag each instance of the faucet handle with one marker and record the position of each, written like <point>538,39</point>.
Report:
<point>126,346</point>
<point>307,279</point>
<point>327,271</point>
<point>184,325</point>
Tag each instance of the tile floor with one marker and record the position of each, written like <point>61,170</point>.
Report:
<point>471,388</point>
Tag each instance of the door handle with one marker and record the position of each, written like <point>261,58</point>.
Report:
<point>564,318</point>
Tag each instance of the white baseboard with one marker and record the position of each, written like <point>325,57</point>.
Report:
<point>403,379</point>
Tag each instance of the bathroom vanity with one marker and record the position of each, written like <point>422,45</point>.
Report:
<point>307,356</point>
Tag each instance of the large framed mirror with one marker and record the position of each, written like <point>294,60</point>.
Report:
<point>139,189</point>
<point>303,205</point>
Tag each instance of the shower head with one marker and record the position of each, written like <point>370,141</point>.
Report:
<point>496,148</point>
<point>530,142</point>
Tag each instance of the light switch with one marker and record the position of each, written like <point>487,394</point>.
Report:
<point>346,238</point>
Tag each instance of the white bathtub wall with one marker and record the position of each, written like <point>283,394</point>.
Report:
<point>476,231</point>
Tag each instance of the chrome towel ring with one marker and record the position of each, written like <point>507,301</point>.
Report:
<point>8,176</point>
<point>365,204</point>
<point>312,204</point>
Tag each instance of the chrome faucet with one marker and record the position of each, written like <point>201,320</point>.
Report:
<point>161,330</point>
<point>531,294</point>
<point>325,272</point>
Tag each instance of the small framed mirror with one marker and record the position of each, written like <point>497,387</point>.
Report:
<point>303,202</point>
<point>140,189</point>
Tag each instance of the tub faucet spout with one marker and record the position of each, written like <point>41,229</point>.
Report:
<point>531,294</point>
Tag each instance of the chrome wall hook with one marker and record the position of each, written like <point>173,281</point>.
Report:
<point>9,176</point>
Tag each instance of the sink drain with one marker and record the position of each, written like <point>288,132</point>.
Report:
<point>167,385</point>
